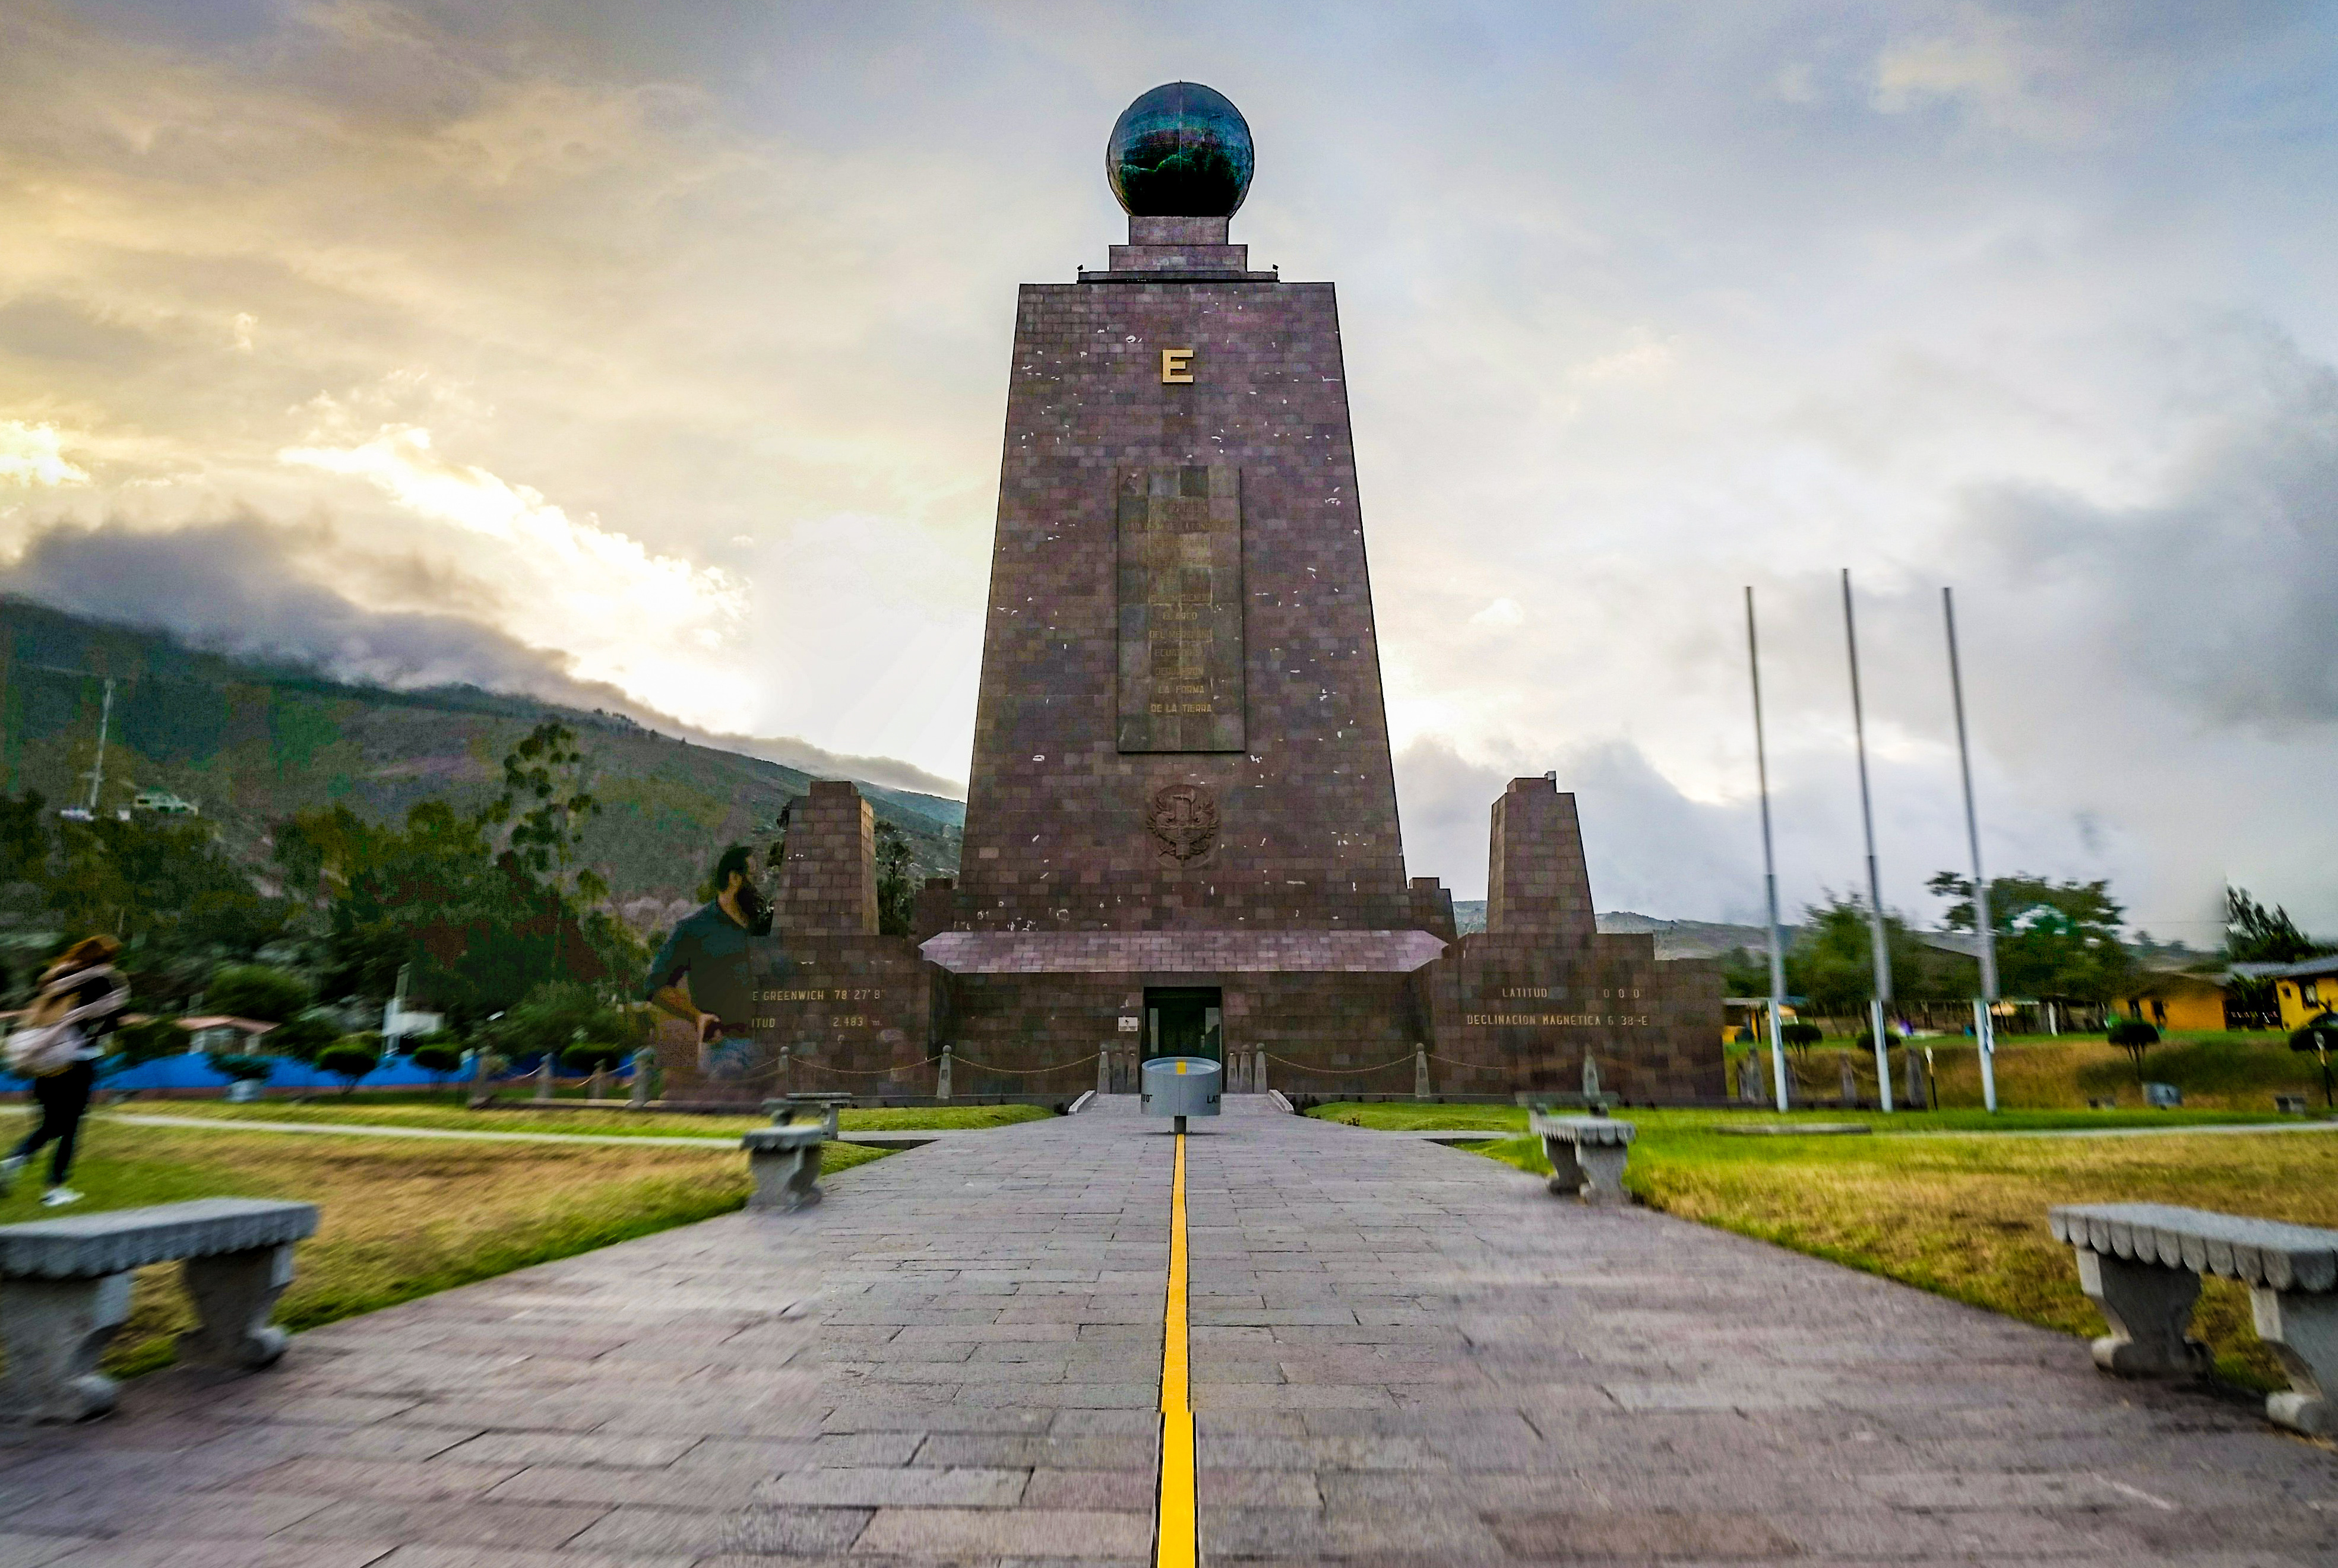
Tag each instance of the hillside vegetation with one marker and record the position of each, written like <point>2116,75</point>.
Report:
<point>253,743</point>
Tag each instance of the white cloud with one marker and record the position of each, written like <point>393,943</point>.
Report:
<point>1500,613</point>
<point>652,625</point>
<point>34,454</point>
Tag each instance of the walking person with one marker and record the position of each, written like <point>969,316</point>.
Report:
<point>57,1047</point>
<point>705,973</point>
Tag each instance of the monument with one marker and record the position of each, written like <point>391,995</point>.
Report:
<point>1181,830</point>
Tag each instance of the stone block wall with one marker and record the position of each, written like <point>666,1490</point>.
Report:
<point>1347,1029</point>
<point>854,1013</point>
<point>1517,1012</point>
<point>1536,879</point>
<point>828,880</point>
<point>1297,828</point>
<point>1432,908</point>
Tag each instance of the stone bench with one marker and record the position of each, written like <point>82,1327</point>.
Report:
<point>2142,1264</point>
<point>65,1291</point>
<point>785,1164</point>
<point>1587,1153</point>
<point>785,1109</point>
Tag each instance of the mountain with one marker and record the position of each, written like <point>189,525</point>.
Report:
<point>1675,938</point>
<point>251,742</point>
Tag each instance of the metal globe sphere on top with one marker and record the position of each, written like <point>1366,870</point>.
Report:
<point>1180,151</point>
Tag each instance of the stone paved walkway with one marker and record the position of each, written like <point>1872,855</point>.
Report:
<point>1401,1354</point>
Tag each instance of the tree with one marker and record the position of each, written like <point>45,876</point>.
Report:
<point>1832,961</point>
<point>257,991</point>
<point>24,842</point>
<point>437,1055</point>
<point>2135,1037</point>
<point>165,886</point>
<point>559,1014</point>
<point>351,1058</point>
<point>135,1044</point>
<point>1745,972</point>
<point>897,884</point>
<point>2255,934</point>
<point>548,768</point>
<point>2058,940</point>
<point>303,1036</point>
<point>478,928</point>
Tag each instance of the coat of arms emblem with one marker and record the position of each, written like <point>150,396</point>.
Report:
<point>1184,820</point>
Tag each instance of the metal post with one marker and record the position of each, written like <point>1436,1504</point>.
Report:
<point>97,768</point>
<point>1881,1000</point>
<point>1984,1014</point>
<point>1769,860</point>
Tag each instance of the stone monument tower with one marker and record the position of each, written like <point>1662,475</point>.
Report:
<point>1181,827</point>
<point>1181,725</point>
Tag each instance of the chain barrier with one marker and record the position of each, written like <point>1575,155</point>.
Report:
<point>1026,1071</point>
<point>862,1072</point>
<point>1335,1071</point>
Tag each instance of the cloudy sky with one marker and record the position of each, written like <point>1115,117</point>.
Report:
<point>656,354</point>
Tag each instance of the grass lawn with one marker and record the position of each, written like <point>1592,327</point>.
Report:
<point>1413,1118</point>
<point>1964,1217</point>
<point>2241,1070</point>
<point>401,1219</point>
<point>446,1114</point>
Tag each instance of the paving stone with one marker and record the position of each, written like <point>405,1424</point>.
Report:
<point>423,1557</point>
<point>1031,1533</point>
<point>767,1531</point>
<point>467,1523</point>
<point>569,1448</point>
<point>383,1478</point>
<point>36,1551</point>
<point>718,1393</point>
<point>878,1489</point>
<point>173,1552</point>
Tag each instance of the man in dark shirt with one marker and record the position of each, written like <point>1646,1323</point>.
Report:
<point>705,973</point>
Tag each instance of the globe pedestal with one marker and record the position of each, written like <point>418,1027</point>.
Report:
<point>1186,246</point>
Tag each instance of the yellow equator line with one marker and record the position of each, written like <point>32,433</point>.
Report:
<point>1173,1545</point>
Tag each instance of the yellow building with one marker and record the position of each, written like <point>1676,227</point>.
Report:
<point>2306,990</point>
<point>2176,1001</point>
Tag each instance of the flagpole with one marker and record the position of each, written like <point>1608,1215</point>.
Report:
<point>1881,1000</point>
<point>1769,861</point>
<point>1984,1014</point>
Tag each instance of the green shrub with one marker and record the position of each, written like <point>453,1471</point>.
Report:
<point>243,1068</point>
<point>435,1057</point>
<point>257,991</point>
<point>1799,1034</point>
<point>351,1058</point>
<point>136,1043</point>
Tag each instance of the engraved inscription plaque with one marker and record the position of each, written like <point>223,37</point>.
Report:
<point>1180,609</point>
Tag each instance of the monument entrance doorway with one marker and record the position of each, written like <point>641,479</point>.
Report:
<point>1185,1021</point>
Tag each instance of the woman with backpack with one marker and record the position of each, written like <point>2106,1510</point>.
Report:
<point>57,1046</point>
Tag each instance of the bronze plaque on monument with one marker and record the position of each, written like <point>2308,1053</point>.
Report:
<point>1181,608</point>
